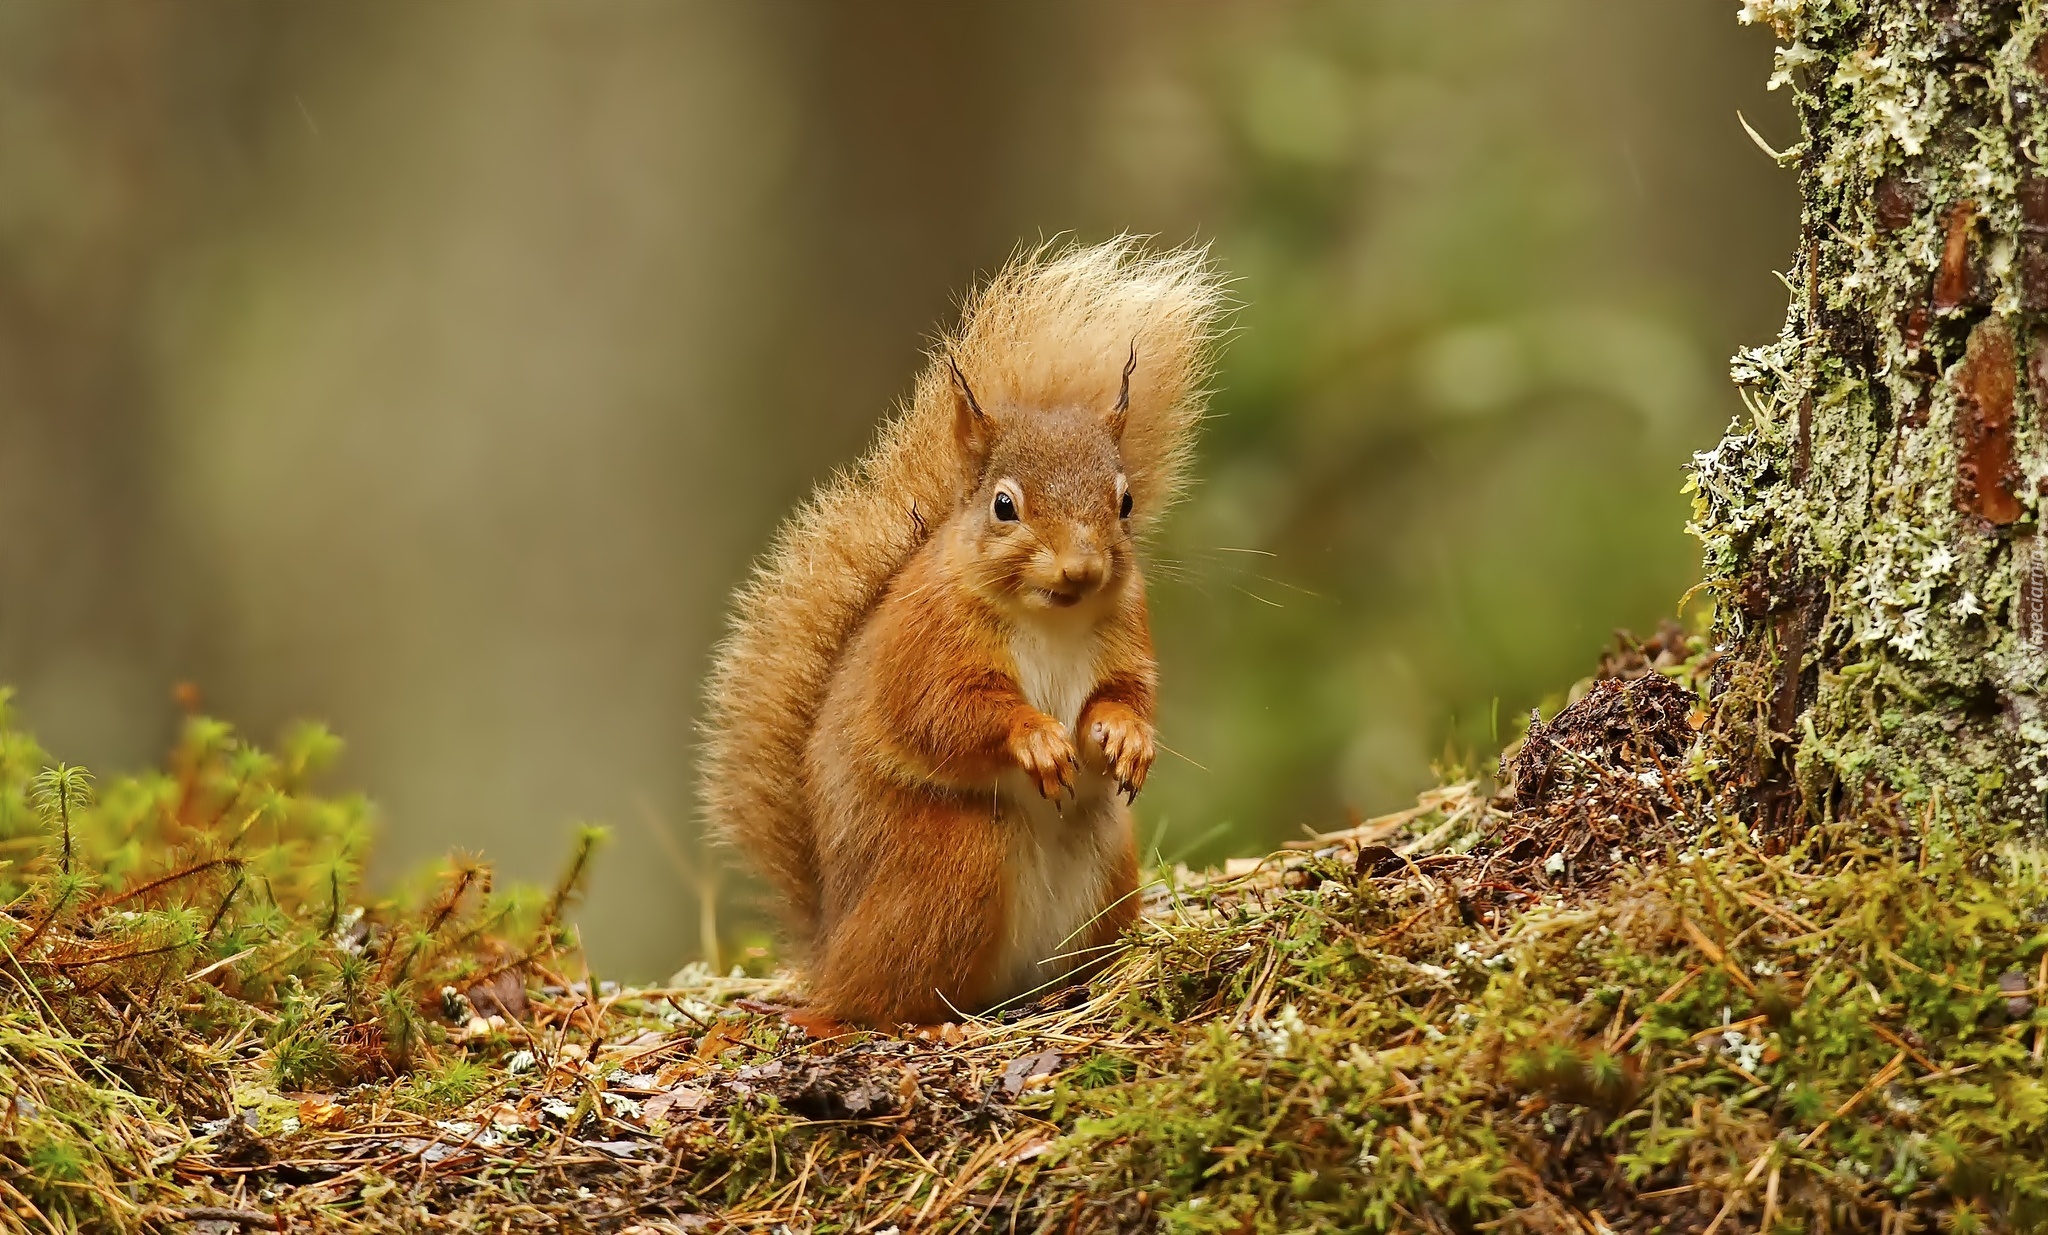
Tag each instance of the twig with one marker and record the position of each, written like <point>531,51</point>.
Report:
<point>1883,1077</point>
<point>221,1213</point>
<point>1715,953</point>
<point>1901,1043</point>
<point>1670,993</point>
<point>161,881</point>
<point>2040,985</point>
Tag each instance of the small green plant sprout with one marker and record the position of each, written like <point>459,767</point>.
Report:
<point>552,932</point>
<point>58,791</point>
<point>1578,1074</point>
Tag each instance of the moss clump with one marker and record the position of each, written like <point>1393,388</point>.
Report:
<point>182,938</point>
<point>1767,1036</point>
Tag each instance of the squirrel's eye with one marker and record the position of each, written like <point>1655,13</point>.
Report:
<point>1006,508</point>
<point>1123,509</point>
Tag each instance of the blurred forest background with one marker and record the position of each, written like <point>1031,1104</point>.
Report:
<point>435,370</point>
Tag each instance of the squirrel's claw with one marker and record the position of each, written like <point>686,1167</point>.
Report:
<point>1125,739</point>
<point>1046,755</point>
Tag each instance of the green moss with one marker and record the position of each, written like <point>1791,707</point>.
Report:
<point>1452,1077</point>
<point>185,944</point>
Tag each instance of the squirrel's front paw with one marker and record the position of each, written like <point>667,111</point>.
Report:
<point>1041,747</point>
<point>1125,739</point>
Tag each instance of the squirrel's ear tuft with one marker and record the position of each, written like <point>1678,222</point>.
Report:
<point>1119,412</point>
<point>972,428</point>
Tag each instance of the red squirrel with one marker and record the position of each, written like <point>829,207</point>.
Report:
<point>935,705</point>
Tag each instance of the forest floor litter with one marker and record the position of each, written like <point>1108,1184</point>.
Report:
<point>1576,997</point>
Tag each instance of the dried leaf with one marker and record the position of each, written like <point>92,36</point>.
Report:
<point>1022,1071</point>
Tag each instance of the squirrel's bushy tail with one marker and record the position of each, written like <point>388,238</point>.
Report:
<point>1052,328</point>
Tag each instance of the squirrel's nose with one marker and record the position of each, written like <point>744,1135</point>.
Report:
<point>1081,571</point>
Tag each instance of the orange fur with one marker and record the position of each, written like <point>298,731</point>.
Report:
<point>926,713</point>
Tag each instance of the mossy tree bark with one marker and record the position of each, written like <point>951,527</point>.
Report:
<point>1873,523</point>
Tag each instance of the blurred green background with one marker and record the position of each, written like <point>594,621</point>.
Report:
<point>435,370</point>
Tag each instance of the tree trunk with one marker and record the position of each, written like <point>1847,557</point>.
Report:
<point>1872,524</point>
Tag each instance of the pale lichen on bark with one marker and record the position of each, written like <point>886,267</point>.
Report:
<point>1871,525</point>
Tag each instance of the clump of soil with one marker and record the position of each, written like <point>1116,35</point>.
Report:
<point>1603,783</point>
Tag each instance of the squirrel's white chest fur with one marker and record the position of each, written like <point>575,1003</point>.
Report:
<point>1055,668</point>
<point>1060,856</point>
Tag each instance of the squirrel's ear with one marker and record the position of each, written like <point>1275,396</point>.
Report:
<point>971,426</point>
<point>1120,411</point>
